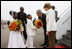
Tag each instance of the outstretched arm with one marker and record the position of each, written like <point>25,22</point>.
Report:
<point>25,18</point>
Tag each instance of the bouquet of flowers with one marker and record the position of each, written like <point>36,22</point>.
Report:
<point>38,23</point>
<point>13,26</point>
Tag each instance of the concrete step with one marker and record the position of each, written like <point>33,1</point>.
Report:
<point>67,36</point>
<point>65,42</point>
<point>69,31</point>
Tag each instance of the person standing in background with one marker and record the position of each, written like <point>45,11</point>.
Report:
<point>56,17</point>
<point>56,13</point>
<point>51,25</point>
<point>23,17</point>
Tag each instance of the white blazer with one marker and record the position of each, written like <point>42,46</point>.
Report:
<point>50,20</point>
<point>29,28</point>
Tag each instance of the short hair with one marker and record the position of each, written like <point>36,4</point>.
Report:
<point>47,5</point>
<point>28,15</point>
<point>21,8</point>
<point>39,11</point>
<point>53,7</point>
<point>14,12</point>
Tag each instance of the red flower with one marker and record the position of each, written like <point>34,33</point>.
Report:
<point>38,23</point>
<point>13,25</point>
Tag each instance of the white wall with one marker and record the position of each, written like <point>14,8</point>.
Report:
<point>30,7</point>
<point>64,23</point>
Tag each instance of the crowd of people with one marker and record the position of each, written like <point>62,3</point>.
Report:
<point>48,19</point>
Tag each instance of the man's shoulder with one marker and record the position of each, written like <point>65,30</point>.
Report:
<point>24,13</point>
<point>44,14</point>
<point>18,13</point>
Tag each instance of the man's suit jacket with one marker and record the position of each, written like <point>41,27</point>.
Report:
<point>43,18</point>
<point>22,17</point>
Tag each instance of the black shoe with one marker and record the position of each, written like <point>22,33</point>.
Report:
<point>45,46</point>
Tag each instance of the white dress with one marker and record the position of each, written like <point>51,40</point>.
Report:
<point>16,40</point>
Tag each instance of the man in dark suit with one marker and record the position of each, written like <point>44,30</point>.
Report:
<point>22,16</point>
<point>42,16</point>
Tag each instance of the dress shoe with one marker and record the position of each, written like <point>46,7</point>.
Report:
<point>45,46</point>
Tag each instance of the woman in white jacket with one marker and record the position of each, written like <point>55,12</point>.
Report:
<point>51,25</point>
<point>30,32</point>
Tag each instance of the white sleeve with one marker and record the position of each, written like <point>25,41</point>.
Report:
<point>50,20</point>
<point>32,27</point>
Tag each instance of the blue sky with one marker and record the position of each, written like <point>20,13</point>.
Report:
<point>31,7</point>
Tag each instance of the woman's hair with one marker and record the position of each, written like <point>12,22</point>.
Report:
<point>10,12</point>
<point>14,15</point>
<point>47,5</point>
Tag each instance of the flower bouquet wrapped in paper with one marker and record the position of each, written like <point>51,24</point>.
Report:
<point>38,23</point>
<point>15,25</point>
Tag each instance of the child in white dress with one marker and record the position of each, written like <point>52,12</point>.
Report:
<point>30,32</point>
<point>15,38</point>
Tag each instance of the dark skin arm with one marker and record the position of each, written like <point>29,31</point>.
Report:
<point>25,19</point>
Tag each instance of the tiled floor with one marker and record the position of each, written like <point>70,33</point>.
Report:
<point>38,39</point>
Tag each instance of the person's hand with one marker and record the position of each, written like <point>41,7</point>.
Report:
<point>47,33</point>
<point>34,29</point>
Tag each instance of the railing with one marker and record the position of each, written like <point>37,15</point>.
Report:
<point>66,19</point>
<point>64,12</point>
